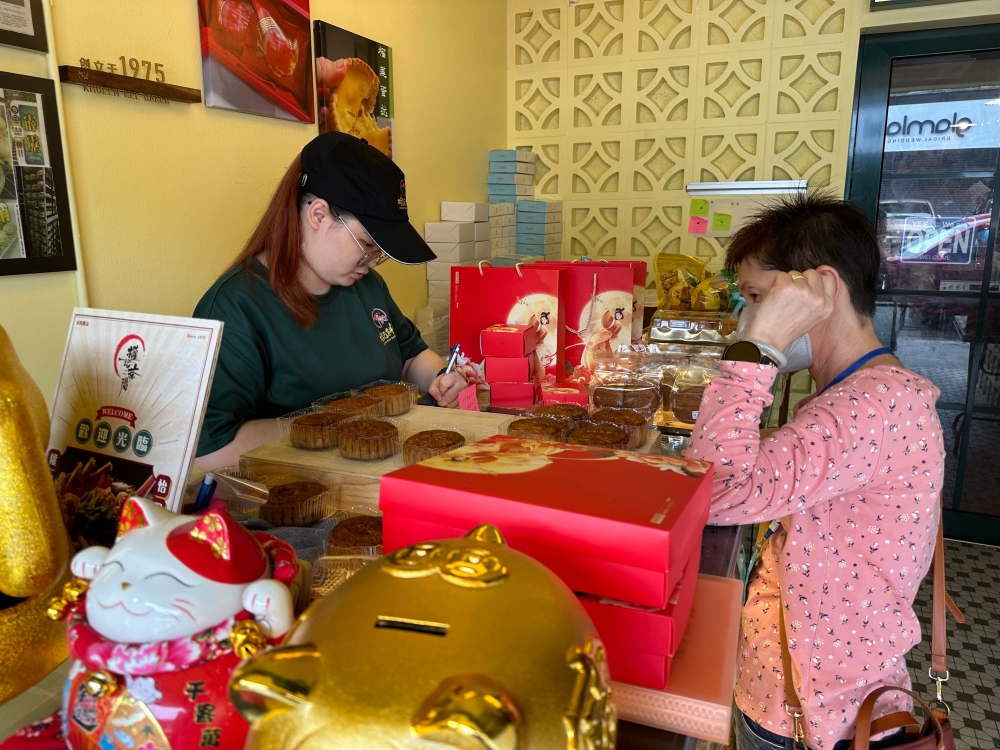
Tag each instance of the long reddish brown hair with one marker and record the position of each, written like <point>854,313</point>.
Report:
<point>279,234</point>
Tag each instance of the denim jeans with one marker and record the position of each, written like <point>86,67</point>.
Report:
<point>752,736</point>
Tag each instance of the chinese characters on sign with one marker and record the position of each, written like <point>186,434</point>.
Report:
<point>354,81</point>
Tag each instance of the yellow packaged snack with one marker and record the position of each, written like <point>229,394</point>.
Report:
<point>672,269</point>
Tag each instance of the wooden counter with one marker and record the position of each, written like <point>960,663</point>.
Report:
<point>359,480</point>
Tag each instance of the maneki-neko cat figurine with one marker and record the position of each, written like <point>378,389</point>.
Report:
<point>157,624</point>
<point>460,643</point>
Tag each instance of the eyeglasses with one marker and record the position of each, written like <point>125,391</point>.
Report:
<point>368,256</point>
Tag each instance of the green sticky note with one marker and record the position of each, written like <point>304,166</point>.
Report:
<point>722,222</point>
<point>699,207</point>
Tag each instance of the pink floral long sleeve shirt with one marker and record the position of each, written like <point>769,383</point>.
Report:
<point>856,478</point>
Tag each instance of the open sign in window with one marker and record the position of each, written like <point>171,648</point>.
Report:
<point>944,240</point>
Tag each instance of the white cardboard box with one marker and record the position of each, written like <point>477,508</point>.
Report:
<point>539,230</point>
<point>509,220</point>
<point>461,211</point>
<point>453,252</point>
<point>496,233</point>
<point>482,250</point>
<point>437,270</point>
<point>505,242</point>
<point>449,231</point>
<point>482,230</point>
<point>508,178</point>
<point>524,217</point>
<point>496,221</point>
<point>438,290</point>
<point>511,154</point>
<point>501,209</point>
<point>518,167</point>
<point>509,231</point>
<point>534,240</point>
<point>539,206</point>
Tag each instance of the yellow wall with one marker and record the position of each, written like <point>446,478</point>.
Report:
<point>167,194</point>
<point>625,101</point>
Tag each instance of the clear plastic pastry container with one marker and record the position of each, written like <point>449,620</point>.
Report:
<point>312,429</point>
<point>536,428</point>
<point>398,396</point>
<point>358,531</point>
<point>636,422</point>
<point>330,572</point>
<point>571,413</point>
<point>371,438</point>
<point>433,440</point>
<point>626,393</point>
<point>599,435</point>
<point>297,502</point>
<point>352,402</point>
<point>683,325</point>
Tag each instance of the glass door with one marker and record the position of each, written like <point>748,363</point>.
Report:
<point>924,167</point>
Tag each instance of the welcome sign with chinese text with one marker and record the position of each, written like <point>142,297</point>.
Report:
<point>131,398</point>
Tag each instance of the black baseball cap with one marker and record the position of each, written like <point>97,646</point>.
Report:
<point>351,175</point>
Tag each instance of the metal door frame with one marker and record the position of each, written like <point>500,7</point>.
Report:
<point>864,180</point>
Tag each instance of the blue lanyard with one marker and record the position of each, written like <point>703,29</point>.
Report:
<point>857,366</point>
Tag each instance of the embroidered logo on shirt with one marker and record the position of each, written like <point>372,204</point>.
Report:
<point>379,318</point>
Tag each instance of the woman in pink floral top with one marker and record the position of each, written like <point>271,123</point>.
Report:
<point>855,479</point>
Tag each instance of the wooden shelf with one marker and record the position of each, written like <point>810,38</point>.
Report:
<point>128,84</point>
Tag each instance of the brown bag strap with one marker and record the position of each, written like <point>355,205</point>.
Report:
<point>866,728</point>
<point>793,707</point>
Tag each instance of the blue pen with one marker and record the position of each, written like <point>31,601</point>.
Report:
<point>205,492</point>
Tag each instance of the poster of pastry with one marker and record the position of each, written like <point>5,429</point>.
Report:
<point>127,412</point>
<point>257,57</point>
<point>354,82</point>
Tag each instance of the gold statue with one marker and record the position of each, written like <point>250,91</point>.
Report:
<point>34,548</point>
<point>463,643</point>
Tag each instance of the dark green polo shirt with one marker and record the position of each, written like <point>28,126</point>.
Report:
<point>269,366</point>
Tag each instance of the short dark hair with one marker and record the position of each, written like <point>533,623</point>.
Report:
<point>808,230</point>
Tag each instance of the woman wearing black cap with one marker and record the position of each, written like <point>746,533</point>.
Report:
<point>305,313</point>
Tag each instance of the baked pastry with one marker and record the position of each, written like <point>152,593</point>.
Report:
<point>354,532</point>
<point>354,404</point>
<point>599,435</point>
<point>430,443</point>
<point>635,423</point>
<point>644,396</point>
<point>367,439</point>
<point>686,402</point>
<point>538,428</point>
<point>314,431</point>
<point>573,412</point>
<point>352,106</point>
<point>293,504</point>
<point>397,397</point>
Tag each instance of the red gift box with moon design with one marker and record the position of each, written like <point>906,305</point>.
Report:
<point>642,641</point>
<point>485,297</point>
<point>614,524</point>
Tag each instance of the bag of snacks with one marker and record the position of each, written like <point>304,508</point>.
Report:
<point>689,388</point>
<point>676,271</point>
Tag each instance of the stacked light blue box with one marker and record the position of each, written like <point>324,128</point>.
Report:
<point>539,228</point>
<point>511,175</point>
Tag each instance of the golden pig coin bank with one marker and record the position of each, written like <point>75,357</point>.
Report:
<point>462,643</point>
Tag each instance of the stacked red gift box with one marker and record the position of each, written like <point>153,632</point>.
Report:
<point>510,365</point>
<point>623,530</point>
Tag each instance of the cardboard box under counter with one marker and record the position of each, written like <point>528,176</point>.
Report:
<point>464,211</point>
<point>438,290</point>
<point>508,340</point>
<point>507,369</point>
<point>641,641</point>
<point>614,524</point>
<point>449,231</point>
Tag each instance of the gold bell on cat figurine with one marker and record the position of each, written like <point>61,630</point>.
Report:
<point>458,643</point>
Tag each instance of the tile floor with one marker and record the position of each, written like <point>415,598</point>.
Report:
<point>973,692</point>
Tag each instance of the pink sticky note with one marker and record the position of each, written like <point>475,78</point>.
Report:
<point>697,225</point>
<point>467,399</point>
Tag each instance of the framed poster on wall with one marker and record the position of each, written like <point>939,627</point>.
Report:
<point>885,4</point>
<point>354,83</point>
<point>35,231</point>
<point>257,57</point>
<point>23,25</point>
